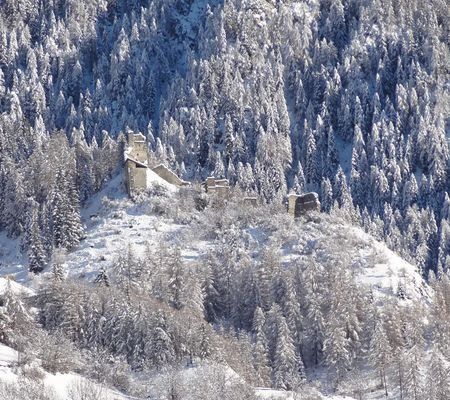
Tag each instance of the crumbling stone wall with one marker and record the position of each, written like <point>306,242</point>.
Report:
<point>299,205</point>
<point>169,176</point>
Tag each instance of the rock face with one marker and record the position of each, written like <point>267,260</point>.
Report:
<point>299,205</point>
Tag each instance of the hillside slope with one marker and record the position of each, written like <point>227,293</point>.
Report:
<point>254,247</point>
<point>113,222</point>
<point>349,98</point>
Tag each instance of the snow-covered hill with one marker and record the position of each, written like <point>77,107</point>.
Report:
<point>114,223</point>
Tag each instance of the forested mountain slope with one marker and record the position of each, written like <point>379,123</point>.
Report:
<point>160,291</point>
<point>346,97</point>
<point>349,98</point>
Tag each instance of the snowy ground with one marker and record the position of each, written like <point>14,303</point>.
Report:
<point>112,223</point>
<point>59,385</point>
<point>270,394</point>
<point>391,271</point>
<point>115,223</point>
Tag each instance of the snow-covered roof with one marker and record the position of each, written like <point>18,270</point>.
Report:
<point>223,182</point>
<point>309,194</point>
<point>141,164</point>
<point>160,167</point>
<point>139,137</point>
<point>153,177</point>
<point>211,181</point>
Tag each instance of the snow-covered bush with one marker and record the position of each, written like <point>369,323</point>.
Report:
<point>107,204</point>
<point>57,353</point>
<point>33,371</point>
<point>84,389</point>
<point>207,382</point>
<point>25,389</point>
<point>107,369</point>
<point>119,374</point>
<point>156,200</point>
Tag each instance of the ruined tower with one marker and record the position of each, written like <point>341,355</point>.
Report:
<point>136,163</point>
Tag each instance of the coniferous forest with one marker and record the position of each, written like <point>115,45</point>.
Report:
<point>346,98</point>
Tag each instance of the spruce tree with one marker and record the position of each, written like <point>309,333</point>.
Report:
<point>67,228</point>
<point>288,370</point>
<point>381,353</point>
<point>36,251</point>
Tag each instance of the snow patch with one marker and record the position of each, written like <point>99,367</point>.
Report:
<point>154,179</point>
<point>8,355</point>
<point>16,288</point>
<point>389,271</point>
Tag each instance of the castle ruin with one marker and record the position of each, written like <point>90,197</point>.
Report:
<point>221,187</point>
<point>136,163</point>
<point>137,171</point>
<point>299,205</point>
<point>137,174</point>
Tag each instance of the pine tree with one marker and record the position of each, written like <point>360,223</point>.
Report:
<point>335,24</point>
<point>437,383</point>
<point>127,272</point>
<point>288,370</point>
<point>176,281</point>
<point>444,244</point>
<point>260,360</point>
<point>326,200</point>
<point>36,251</point>
<point>102,278</point>
<point>332,158</point>
<point>18,319</point>
<point>359,168</point>
<point>211,295</point>
<point>205,349</point>
<point>5,327</point>
<point>340,189</point>
<point>162,349</point>
<point>312,173</point>
<point>336,348</point>
<point>57,264</point>
<point>299,180</point>
<point>219,168</point>
<point>414,359</point>
<point>316,322</point>
<point>194,294</point>
<point>67,228</point>
<point>14,202</point>
<point>381,353</point>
